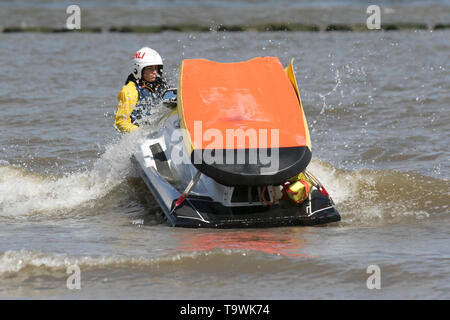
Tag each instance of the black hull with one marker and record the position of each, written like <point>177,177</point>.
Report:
<point>198,212</point>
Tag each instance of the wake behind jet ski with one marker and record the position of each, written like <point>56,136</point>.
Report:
<point>234,151</point>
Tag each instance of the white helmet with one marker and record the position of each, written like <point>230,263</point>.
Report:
<point>145,57</point>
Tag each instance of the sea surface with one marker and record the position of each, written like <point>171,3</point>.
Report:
<point>377,105</point>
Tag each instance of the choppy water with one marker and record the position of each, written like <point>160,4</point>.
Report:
<point>378,109</point>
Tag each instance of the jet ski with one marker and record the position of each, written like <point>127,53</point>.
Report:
<point>231,152</point>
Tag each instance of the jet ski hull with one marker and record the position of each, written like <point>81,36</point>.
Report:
<point>198,211</point>
<point>204,213</point>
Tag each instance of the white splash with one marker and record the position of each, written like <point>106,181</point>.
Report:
<point>24,193</point>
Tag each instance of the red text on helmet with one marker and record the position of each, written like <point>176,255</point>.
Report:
<point>140,55</point>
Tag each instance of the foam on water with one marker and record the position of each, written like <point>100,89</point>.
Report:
<point>24,193</point>
<point>368,197</point>
<point>14,262</point>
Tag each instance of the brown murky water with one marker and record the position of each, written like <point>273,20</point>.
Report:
<point>377,104</point>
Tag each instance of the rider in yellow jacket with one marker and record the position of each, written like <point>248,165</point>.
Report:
<point>142,90</point>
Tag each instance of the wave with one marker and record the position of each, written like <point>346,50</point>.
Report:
<point>24,193</point>
<point>26,261</point>
<point>368,197</point>
<point>23,264</point>
<point>16,261</point>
